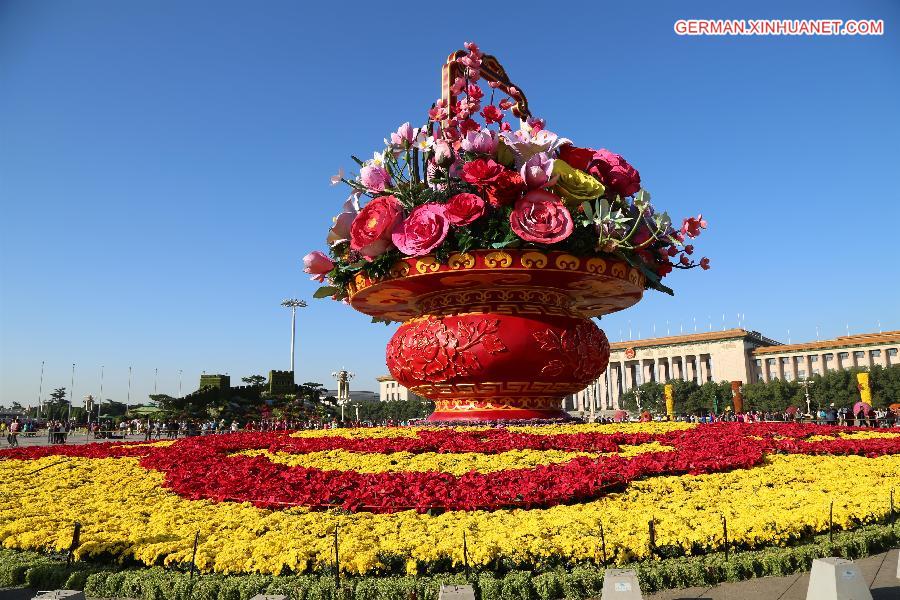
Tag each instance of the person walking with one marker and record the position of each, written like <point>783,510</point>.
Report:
<point>14,432</point>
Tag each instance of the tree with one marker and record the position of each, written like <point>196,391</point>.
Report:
<point>254,379</point>
<point>885,384</point>
<point>652,399</point>
<point>58,396</point>
<point>397,410</point>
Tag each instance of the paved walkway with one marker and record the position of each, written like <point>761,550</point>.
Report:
<point>880,571</point>
<point>76,438</point>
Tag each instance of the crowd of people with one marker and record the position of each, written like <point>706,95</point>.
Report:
<point>58,430</point>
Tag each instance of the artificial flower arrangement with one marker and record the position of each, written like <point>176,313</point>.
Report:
<point>456,184</point>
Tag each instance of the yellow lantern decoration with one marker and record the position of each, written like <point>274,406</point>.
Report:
<point>865,392</point>
<point>670,401</point>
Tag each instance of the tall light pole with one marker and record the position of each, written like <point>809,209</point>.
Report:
<point>155,378</point>
<point>100,399</point>
<point>293,304</point>
<point>41,392</point>
<point>71,395</point>
<point>179,384</point>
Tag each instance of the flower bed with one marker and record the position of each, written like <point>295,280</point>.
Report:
<point>526,497</point>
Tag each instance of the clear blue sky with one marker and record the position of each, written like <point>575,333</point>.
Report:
<point>164,167</point>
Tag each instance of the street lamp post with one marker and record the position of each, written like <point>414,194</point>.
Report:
<point>41,392</point>
<point>593,401</point>
<point>293,304</point>
<point>101,397</point>
<point>343,380</point>
<point>71,397</point>
<point>806,383</point>
<point>127,398</point>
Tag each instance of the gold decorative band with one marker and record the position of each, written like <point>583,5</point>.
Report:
<point>508,403</point>
<point>502,300</point>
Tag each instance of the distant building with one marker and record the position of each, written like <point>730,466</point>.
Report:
<point>389,389</point>
<point>730,355</point>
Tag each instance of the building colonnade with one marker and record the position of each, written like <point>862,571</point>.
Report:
<point>802,365</point>
<point>624,374</point>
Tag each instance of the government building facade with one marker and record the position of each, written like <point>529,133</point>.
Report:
<point>730,355</point>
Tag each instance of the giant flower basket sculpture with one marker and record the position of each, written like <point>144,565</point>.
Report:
<point>494,247</point>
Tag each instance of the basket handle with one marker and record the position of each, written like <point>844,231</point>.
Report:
<point>491,71</point>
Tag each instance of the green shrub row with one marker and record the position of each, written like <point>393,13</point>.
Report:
<point>36,570</point>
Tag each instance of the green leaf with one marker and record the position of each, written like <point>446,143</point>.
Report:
<point>603,209</point>
<point>381,320</point>
<point>326,291</point>
<point>588,210</point>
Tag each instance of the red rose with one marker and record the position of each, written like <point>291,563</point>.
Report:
<point>482,171</point>
<point>422,231</point>
<point>541,217</point>
<point>463,209</point>
<point>577,158</point>
<point>370,232</point>
<point>506,189</point>
<point>615,173</point>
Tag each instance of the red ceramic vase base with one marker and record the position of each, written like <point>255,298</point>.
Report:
<point>488,367</point>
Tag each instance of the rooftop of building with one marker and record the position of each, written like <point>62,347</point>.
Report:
<point>709,336</point>
<point>844,341</point>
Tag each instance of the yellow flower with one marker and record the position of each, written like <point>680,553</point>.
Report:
<point>127,512</point>
<point>575,186</point>
<point>457,464</point>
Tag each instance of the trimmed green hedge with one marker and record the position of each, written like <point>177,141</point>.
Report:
<point>584,581</point>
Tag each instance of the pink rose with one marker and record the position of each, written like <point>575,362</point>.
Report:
<point>422,231</point>
<point>463,209</point>
<point>318,265</point>
<point>541,217</point>
<point>375,178</point>
<point>371,230</point>
<point>614,172</point>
